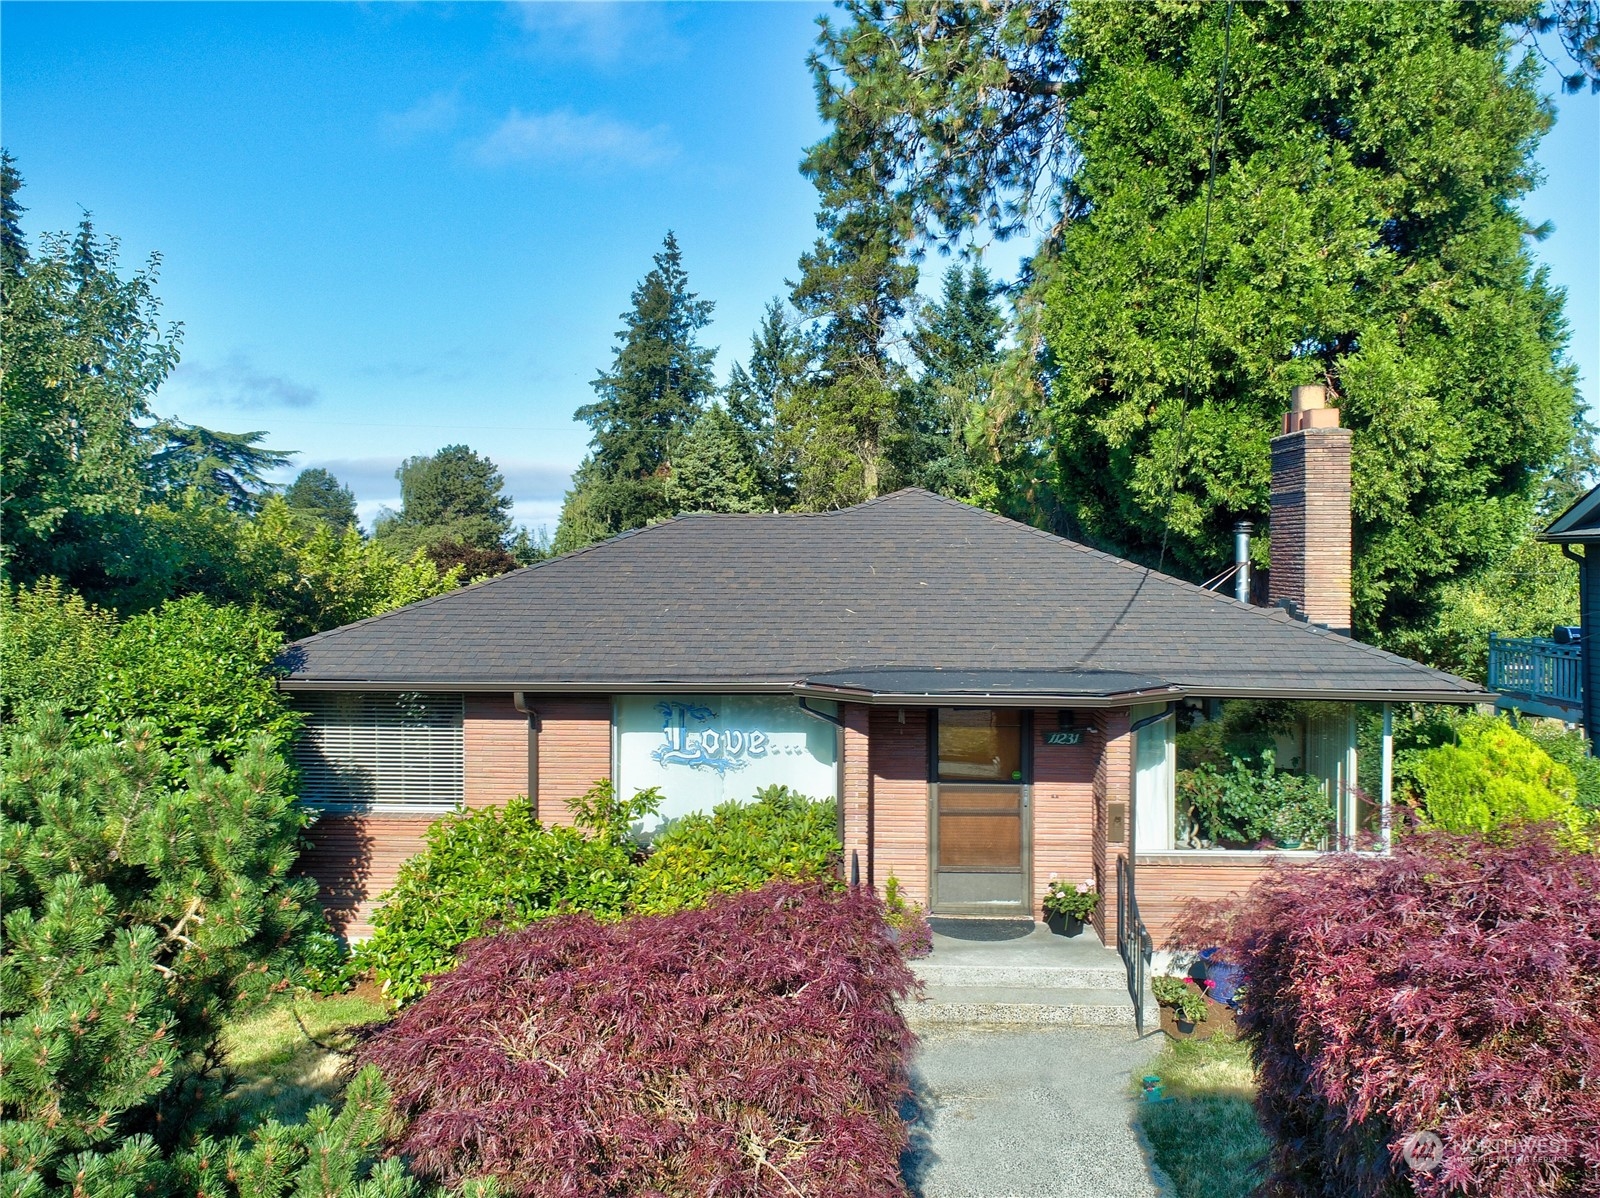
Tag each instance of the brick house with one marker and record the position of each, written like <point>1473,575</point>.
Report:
<point>991,705</point>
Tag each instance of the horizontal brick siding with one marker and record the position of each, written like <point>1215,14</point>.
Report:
<point>1063,808</point>
<point>857,797</point>
<point>495,737</point>
<point>1113,783</point>
<point>899,757</point>
<point>574,752</point>
<point>1165,889</point>
<point>354,859</point>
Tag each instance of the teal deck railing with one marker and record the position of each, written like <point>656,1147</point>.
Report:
<point>1537,669</point>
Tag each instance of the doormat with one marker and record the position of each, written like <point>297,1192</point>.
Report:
<point>982,929</point>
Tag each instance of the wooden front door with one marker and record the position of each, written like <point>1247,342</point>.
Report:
<point>980,825</point>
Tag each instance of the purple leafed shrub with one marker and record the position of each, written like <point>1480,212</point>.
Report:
<point>748,1048</point>
<point>1428,1023</point>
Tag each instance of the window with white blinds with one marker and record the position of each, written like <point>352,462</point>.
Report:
<point>375,750</point>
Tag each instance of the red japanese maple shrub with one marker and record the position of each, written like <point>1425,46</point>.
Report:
<point>748,1048</point>
<point>1428,1023</point>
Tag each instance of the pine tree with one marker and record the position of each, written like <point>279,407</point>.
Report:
<point>82,350</point>
<point>139,916</point>
<point>713,470</point>
<point>855,284</point>
<point>659,380</point>
<point>318,494</point>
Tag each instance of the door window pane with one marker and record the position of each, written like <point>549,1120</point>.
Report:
<point>980,744</point>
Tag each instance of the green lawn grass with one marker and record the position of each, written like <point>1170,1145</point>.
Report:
<point>293,1054</point>
<point>1205,1136</point>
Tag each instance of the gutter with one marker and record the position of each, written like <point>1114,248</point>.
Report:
<point>520,700</point>
<point>883,699</point>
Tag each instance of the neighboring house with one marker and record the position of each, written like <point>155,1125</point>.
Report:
<point>1557,675</point>
<point>991,705</point>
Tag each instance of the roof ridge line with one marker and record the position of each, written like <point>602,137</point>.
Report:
<point>579,552</point>
<point>1276,614</point>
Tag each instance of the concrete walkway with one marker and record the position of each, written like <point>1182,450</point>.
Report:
<point>1035,1112</point>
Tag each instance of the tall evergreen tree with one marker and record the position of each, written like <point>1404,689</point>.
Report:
<point>13,246</point>
<point>1364,234</point>
<point>318,494</point>
<point>761,396</point>
<point>713,470</point>
<point>956,341</point>
<point>659,380</point>
<point>855,284</point>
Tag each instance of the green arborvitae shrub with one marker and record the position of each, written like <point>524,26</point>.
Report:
<point>1493,779</point>
<point>496,869</point>
<point>140,913</point>
<point>740,846</point>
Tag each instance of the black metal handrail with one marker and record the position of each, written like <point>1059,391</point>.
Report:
<point>1133,940</point>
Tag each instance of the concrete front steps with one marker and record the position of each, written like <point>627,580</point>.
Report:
<point>1034,980</point>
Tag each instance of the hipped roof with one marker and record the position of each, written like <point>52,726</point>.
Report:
<point>904,597</point>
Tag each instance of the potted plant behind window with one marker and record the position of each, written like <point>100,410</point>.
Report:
<point>1183,1008</point>
<point>1303,815</point>
<point>1067,907</point>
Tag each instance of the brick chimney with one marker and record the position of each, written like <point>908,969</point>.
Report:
<point>1310,535</point>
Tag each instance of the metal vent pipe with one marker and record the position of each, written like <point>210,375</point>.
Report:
<point>1241,559</point>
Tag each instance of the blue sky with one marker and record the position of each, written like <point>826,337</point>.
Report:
<point>387,228</point>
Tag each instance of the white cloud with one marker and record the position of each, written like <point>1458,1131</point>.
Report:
<point>570,136</point>
<point>602,33</point>
<point>437,113</point>
<point>238,382</point>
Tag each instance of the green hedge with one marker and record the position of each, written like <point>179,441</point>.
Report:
<point>499,868</point>
<point>739,846</point>
<point>492,869</point>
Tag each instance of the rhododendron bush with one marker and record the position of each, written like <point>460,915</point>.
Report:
<point>1428,1023</point>
<point>748,1048</point>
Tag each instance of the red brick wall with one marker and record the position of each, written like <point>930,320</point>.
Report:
<point>355,858</point>
<point>1063,808</point>
<point>495,742</point>
<point>1311,524</point>
<point>899,759</point>
<point>574,752</point>
<point>1165,887</point>
<point>857,796</point>
<point>1113,783</point>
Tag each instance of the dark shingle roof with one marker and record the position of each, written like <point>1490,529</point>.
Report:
<point>909,582</point>
<point>1579,523</point>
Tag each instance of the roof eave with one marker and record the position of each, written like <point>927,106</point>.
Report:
<point>635,686</point>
